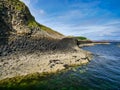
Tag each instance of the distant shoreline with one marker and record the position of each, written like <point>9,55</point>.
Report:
<point>85,43</point>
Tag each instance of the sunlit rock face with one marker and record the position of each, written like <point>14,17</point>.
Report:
<point>16,20</point>
<point>19,31</point>
<point>28,47</point>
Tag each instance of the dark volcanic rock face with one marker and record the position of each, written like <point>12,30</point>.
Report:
<point>27,47</point>
<point>20,32</point>
<point>16,20</point>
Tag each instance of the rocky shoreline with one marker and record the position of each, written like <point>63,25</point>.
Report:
<point>19,64</point>
<point>85,43</point>
<point>26,59</point>
<point>93,44</point>
<point>28,47</point>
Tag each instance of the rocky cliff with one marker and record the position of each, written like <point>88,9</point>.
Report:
<point>20,32</point>
<point>28,47</point>
<point>16,20</point>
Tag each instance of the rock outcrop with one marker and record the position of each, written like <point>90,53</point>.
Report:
<point>20,32</point>
<point>16,20</point>
<point>28,47</point>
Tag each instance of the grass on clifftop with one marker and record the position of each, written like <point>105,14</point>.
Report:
<point>16,4</point>
<point>25,15</point>
<point>81,38</point>
<point>33,23</point>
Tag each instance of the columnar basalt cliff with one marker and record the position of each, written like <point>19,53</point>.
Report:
<point>28,47</point>
<point>19,30</point>
<point>17,20</point>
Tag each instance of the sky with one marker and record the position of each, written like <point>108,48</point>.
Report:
<point>94,19</point>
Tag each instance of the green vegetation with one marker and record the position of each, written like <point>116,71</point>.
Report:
<point>49,30</point>
<point>23,82</point>
<point>33,23</point>
<point>38,81</point>
<point>17,4</point>
<point>18,7</point>
<point>29,20</point>
<point>81,38</point>
<point>78,37</point>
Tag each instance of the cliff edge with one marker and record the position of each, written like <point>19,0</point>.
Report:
<point>29,47</point>
<point>16,20</point>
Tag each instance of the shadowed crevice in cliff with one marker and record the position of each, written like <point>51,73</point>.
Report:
<point>5,25</point>
<point>4,33</point>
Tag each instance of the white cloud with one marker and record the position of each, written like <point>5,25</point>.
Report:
<point>86,20</point>
<point>91,31</point>
<point>41,11</point>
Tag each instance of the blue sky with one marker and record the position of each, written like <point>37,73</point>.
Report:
<point>94,19</point>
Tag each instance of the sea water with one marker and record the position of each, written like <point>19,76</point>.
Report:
<point>102,73</point>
